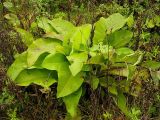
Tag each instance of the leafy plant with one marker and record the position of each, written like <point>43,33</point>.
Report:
<point>12,114</point>
<point>5,97</point>
<point>71,56</point>
<point>107,116</point>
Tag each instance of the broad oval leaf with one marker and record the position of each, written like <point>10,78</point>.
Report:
<point>62,26</point>
<point>67,83</point>
<point>55,61</point>
<point>107,26</point>
<point>78,60</point>
<point>78,57</point>
<point>100,31</point>
<point>44,24</point>
<point>115,22</point>
<point>119,38</point>
<point>76,67</point>
<point>39,61</point>
<point>80,37</point>
<point>42,77</point>
<point>39,47</point>
<point>19,64</point>
<point>72,106</point>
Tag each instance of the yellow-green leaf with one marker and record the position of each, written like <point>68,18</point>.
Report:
<point>39,47</point>
<point>42,77</point>
<point>19,64</point>
<point>72,106</point>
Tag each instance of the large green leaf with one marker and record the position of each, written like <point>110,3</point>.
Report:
<point>71,102</point>
<point>62,26</point>
<point>78,57</point>
<point>39,47</point>
<point>39,61</point>
<point>78,60</point>
<point>67,83</point>
<point>80,37</point>
<point>119,38</point>
<point>107,26</point>
<point>100,31</point>
<point>27,37</point>
<point>44,23</point>
<point>42,77</point>
<point>55,61</point>
<point>19,64</point>
<point>115,22</point>
<point>122,103</point>
<point>56,28</point>
<point>76,67</point>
